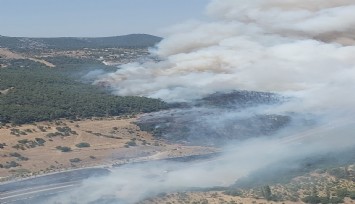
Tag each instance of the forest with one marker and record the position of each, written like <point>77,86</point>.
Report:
<point>31,92</point>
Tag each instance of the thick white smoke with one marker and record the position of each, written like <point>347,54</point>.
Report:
<point>300,48</point>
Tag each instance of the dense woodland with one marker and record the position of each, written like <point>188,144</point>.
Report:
<point>67,43</point>
<point>38,93</point>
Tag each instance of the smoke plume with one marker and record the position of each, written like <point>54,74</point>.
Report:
<point>300,49</point>
<point>294,47</point>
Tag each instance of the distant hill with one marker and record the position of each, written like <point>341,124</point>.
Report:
<point>65,43</point>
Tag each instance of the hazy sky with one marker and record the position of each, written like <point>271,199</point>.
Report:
<point>48,18</point>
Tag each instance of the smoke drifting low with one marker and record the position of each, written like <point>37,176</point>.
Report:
<point>132,183</point>
<point>300,49</point>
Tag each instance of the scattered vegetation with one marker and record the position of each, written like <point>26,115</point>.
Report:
<point>17,132</point>
<point>27,144</point>
<point>8,165</point>
<point>18,156</point>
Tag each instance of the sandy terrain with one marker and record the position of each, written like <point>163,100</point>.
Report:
<point>10,55</point>
<point>108,140</point>
<point>48,64</point>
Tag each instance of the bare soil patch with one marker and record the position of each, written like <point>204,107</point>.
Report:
<point>6,53</point>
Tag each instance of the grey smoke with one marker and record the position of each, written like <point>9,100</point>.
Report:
<point>93,75</point>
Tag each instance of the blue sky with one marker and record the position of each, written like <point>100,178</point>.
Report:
<point>89,18</point>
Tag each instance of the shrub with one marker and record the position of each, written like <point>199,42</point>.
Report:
<point>2,145</point>
<point>22,158</point>
<point>54,134</point>
<point>342,192</point>
<point>29,131</point>
<point>82,145</point>
<point>75,160</point>
<point>233,192</point>
<point>64,149</point>
<point>352,195</point>
<point>11,164</point>
<point>310,199</point>
<point>15,154</point>
<point>24,141</point>
<point>336,200</point>
<point>40,141</point>
<point>131,143</point>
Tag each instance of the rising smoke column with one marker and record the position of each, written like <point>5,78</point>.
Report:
<point>292,46</point>
<point>300,48</point>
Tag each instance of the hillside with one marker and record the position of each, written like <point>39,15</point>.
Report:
<point>36,93</point>
<point>65,43</point>
<point>44,147</point>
